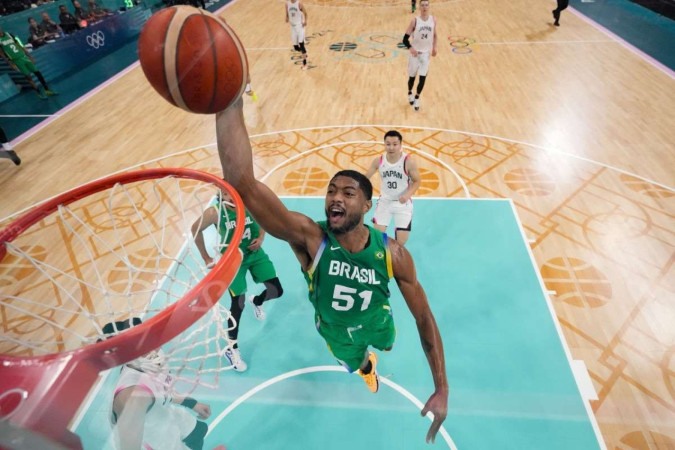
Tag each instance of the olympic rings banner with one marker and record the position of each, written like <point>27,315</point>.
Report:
<point>86,46</point>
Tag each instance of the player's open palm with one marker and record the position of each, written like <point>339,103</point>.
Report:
<point>438,406</point>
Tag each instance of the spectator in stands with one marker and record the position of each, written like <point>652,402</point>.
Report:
<point>28,4</point>
<point>68,21</point>
<point>96,12</point>
<point>20,60</point>
<point>13,6</point>
<point>80,13</point>
<point>37,36</point>
<point>52,28</point>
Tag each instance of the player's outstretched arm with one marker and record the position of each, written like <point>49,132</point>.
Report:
<point>208,218</point>
<point>416,299</point>
<point>236,158</point>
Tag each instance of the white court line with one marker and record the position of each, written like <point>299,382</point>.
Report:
<point>292,130</point>
<point>260,49</point>
<point>28,133</point>
<point>599,41</point>
<point>321,147</point>
<point>27,115</point>
<point>51,118</point>
<point>662,67</point>
<point>294,373</point>
<point>556,323</point>
<point>469,133</point>
<point>360,5</point>
<point>417,199</point>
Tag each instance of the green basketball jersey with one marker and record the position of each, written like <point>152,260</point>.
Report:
<point>226,225</point>
<point>11,48</point>
<point>350,289</point>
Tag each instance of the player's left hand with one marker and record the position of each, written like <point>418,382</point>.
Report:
<point>433,52</point>
<point>255,244</point>
<point>403,199</point>
<point>438,406</point>
<point>203,410</point>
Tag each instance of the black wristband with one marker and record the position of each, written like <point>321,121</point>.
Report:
<point>406,40</point>
<point>189,402</point>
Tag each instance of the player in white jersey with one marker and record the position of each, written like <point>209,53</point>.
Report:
<point>422,29</point>
<point>146,414</point>
<point>296,15</point>
<point>400,180</point>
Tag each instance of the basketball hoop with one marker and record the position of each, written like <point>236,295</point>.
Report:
<point>125,238</point>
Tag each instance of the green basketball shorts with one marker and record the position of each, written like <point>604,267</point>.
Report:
<point>261,268</point>
<point>350,344</point>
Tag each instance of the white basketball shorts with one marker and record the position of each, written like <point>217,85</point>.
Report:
<point>418,65</point>
<point>297,34</point>
<point>401,213</point>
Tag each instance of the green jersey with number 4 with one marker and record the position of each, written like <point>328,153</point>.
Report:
<point>226,223</point>
<point>350,289</point>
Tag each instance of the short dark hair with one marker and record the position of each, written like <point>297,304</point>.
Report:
<point>393,133</point>
<point>364,183</point>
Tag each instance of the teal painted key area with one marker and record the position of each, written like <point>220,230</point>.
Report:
<point>511,385</point>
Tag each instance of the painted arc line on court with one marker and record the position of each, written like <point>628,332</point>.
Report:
<point>450,130</point>
<point>335,144</point>
<point>323,127</point>
<point>294,373</point>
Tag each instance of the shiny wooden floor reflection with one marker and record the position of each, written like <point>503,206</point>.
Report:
<point>572,125</point>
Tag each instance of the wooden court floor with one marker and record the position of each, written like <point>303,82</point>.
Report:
<point>569,122</point>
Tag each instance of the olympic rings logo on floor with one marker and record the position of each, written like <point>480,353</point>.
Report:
<point>96,40</point>
<point>461,45</point>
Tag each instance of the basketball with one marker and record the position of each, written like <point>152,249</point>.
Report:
<point>193,59</point>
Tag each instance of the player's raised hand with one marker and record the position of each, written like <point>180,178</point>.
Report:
<point>438,406</point>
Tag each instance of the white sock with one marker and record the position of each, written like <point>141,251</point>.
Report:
<point>7,146</point>
<point>248,87</point>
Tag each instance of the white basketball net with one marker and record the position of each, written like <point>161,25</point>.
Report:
<point>121,253</point>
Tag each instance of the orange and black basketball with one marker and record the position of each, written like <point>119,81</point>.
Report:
<point>193,59</point>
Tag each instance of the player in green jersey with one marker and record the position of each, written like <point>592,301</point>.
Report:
<point>346,263</point>
<point>20,60</point>
<point>221,215</point>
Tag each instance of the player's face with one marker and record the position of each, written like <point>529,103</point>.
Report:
<point>392,144</point>
<point>345,205</point>
<point>424,6</point>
